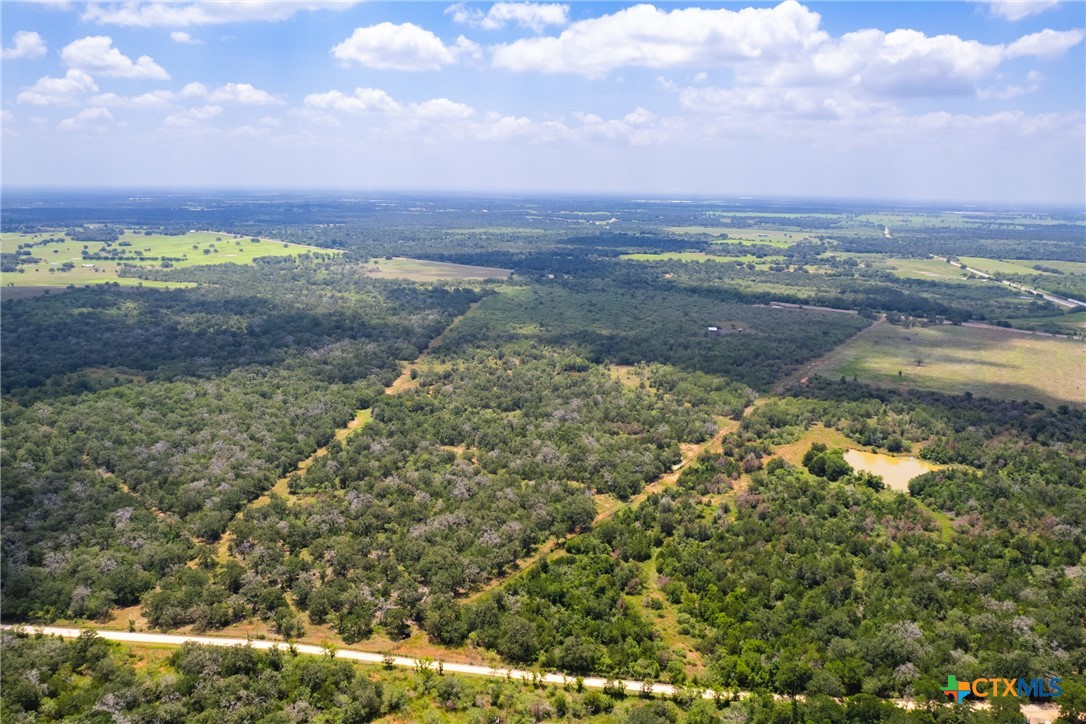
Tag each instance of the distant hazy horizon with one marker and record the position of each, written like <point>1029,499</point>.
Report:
<point>36,193</point>
<point>919,102</point>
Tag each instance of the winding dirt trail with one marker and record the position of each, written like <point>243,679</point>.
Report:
<point>608,506</point>
<point>800,376</point>
<point>404,381</point>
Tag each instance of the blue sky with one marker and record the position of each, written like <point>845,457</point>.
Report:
<point>946,101</point>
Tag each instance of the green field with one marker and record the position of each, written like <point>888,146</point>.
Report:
<point>951,219</point>
<point>987,362</point>
<point>711,230</point>
<point>769,237</point>
<point>420,270</point>
<point>701,256</point>
<point>774,214</point>
<point>192,249</point>
<point>676,256</point>
<point>1021,266</point>
<point>931,269</point>
<point>1073,323</point>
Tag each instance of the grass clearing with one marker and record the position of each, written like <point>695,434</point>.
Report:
<point>629,375</point>
<point>420,270</point>
<point>710,230</point>
<point>674,256</point>
<point>767,237</point>
<point>988,362</point>
<point>360,419</point>
<point>701,256</point>
<point>1021,266</point>
<point>62,263</point>
<point>745,235</point>
<point>793,452</point>
<point>665,619</point>
<point>1074,322</point>
<point>1067,267</point>
<point>930,269</point>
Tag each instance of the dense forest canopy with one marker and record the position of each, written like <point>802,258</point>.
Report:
<point>626,459</point>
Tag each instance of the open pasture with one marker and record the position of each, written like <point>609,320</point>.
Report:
<point>1021,266</point>
<point>702,256</point>
<point>421,270</point>
<point>746,235</point>
<point>768,237</point>
<point>675,256</point>
<point>1071,323</point>
<point>914,220</point>
<point>63,263</point>
<point>987,362</point>
<point>930,269</point>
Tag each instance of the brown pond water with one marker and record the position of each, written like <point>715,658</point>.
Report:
<point>895,472</point>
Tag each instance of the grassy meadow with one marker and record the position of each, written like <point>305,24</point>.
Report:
<point>421,270</point>
<point>185,250</point>
<point>931,269</point>
<point>1021,266</point>
<point>988,362</point>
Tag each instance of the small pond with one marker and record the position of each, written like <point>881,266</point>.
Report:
<point>896,472</point>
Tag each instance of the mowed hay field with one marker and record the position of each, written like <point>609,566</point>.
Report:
<point>931,269</point>
<point>1021,266</point>
<point>420,270</point>
<point>191,249</point>
<point>986,362</point>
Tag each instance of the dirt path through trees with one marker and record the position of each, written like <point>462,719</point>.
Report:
<point>608,506</point>
<point>282,485</point>
<point>813,366</point>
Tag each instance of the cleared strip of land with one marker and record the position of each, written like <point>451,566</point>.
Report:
<point>1032,712</point>
<point>421,270</point>
<point>371,657</point>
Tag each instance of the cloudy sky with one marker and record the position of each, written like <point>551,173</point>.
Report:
<point>968,101</point>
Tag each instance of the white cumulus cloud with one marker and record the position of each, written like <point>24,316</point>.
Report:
<point>25,44</point>
<point>646,36</point>
<point>59,91</point>
<point>182,14</point>
<point>780,47</point>
<point>180,36</point>
<point>96,120</point>
<point>904,63</point>
<point>1018,9</point>
<point>95,54</point>
<point>388,46</point>
<point>1047,44</point>
<point>153,99</point>
<point>442,109</point>
<point>364,100</point>
<point>243,93</point>
<point>192,116</point>
<point>194,90</point>
<point>534,16</point>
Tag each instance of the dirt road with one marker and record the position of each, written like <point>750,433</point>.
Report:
<point>1034,713</point>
